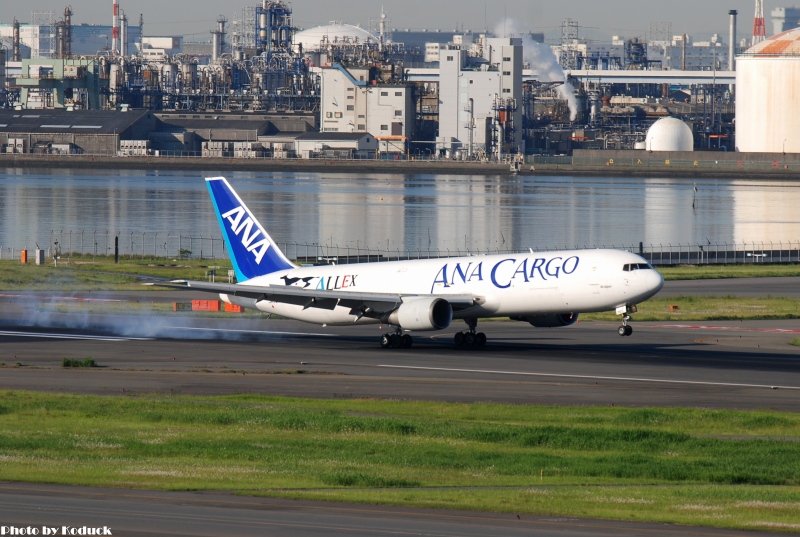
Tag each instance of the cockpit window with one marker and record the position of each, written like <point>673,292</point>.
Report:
<point>636,266</point>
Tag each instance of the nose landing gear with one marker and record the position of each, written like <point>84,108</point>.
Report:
<point>625,329</point>
<point>625,310</point>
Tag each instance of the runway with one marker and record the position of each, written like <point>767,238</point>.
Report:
<point>732,365</point>
<point>135,513</point>
<point>747,365</point>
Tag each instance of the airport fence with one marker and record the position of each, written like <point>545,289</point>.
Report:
<point>65,244</point>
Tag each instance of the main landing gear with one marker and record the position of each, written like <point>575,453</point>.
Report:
<point>398,340</point>
<point>470,338</point>
<point>625,329</point>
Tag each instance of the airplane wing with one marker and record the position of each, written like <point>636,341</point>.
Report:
<point>369,304</point>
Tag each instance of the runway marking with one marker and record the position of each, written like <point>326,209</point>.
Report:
<point>71,336</point>
<point>259,332</point>
<point>728,328</point>
<point>593,377</point>
<point>50,298</point>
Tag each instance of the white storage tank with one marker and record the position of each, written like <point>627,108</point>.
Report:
<point>669,134</point>
<point>767,99</point>
<point>333,33</point>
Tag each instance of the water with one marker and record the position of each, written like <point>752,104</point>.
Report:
<point>405,212</point>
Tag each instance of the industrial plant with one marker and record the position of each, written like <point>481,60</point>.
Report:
<point>258,86</point>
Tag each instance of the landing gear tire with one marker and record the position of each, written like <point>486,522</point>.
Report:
<point>622,331</point>
<point>396,341</point>
<point>480,339</point>
<point>470,338</point>
<point>628,330</point>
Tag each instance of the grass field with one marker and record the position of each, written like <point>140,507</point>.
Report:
<point>709,308</point>
<point>103,274</point>
<point>82,274</point>
<point>87,273</point>
<point>709,272</point>
<point>718,468</point>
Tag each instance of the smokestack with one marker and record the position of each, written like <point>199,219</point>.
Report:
<point>123,36</point>
<point>115,28</point>
<point>683,52</point>
<point>221,29</point>
<point>67,45</point>
<point>15,37</point>
<point>732,41</point>
<point>60,39</point>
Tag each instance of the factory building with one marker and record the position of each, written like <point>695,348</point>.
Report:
<point>681,52</point>
<point>357,100</point>
<point>785,18</point>
<point>42,40</point>
<point>767,106</point>
<point>343,145</point>
<point>480,111</point>
<point>55,83</point>
<point>71,132</point>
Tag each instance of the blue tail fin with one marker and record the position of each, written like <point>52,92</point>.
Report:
<point>252,251</point>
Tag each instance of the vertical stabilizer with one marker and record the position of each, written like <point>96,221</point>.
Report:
<point>251,249</point>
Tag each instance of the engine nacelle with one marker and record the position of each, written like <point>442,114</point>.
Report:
<point>422,314</point>
<point>550,320</point>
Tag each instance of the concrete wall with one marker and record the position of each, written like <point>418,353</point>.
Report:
<point>588,157</point>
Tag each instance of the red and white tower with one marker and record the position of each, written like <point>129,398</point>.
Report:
<point>759,29</point>
<point>115,28</point>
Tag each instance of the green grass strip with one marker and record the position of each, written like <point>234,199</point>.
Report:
<point>709,308</point>
<point>726,468</point>
<point>101,273</point>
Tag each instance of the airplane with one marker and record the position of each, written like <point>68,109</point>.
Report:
<point>543,289</point>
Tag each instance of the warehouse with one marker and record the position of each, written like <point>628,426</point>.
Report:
<point>96,132</point>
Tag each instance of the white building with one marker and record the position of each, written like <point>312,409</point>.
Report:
<point>699,55</point>
<point>432,52</point>
<point>168,45</point>
<point>354,101</point>
<point>340,145</point>
<point>39,41</point>
<point>480,108</point>
<point>785,18</point>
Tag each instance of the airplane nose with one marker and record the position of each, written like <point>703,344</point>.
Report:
<point>655,280</point>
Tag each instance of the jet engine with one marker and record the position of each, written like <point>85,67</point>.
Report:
<point>550,320</point>
<point>422,314</point>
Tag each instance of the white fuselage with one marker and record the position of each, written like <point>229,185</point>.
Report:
<point>512,285</point>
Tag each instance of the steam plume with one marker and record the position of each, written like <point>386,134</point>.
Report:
<point>543,63</point>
